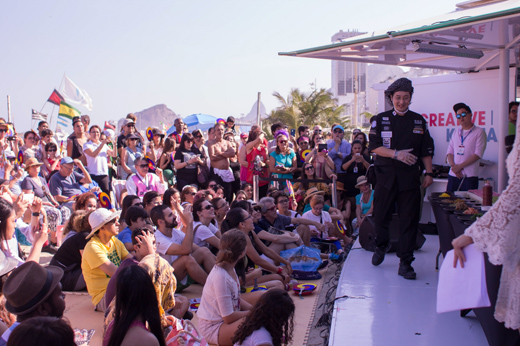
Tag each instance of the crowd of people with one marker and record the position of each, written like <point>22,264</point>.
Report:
<point>184,211</point>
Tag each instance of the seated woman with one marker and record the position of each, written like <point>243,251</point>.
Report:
<point>242,220</point>
<point>102,255</point>
<point>86,201</point>
<point>270,322</point>
<point>319,215</point>
<point>205,233</point>
<point>221,207</point>
<point>300,188</point>
<point>248,189</point>
<point>187,194</point>
<point>42,331</point>
<point>241,196</point>
<point>35,184</point>
<point>137,320</point>
<point>35,232</point>
<point>221,310</point>
<point>364,205</point>
<point>52,160</point>
<point>69,254</point>
<point>128,201</point>
<point>151,199</point>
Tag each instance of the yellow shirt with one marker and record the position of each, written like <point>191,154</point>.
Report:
<point>94,255</point>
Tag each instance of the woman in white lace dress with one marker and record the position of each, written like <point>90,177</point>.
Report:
<point>497,233</point>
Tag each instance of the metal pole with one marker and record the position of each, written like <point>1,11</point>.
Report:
<point>334,193</point>
<point>258,109</point>
<point>255,188</point>
<point>503,105</point>
<point>9,109</point>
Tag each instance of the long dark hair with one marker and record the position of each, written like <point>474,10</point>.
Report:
<point>233,218</point>
<point>135,297</point>
<point>305,183</point>
<point>43,330</point>
<point>232,246</point>
<point>275,312</point>
<point>127,203</point>
<point>6,210</point>
<point>185,137</point>
<point>167,196</point>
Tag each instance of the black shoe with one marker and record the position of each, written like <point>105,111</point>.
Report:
<point>406,271</point>
<point>379,255</point>
<point>50,248</point>
<point>323,265</point>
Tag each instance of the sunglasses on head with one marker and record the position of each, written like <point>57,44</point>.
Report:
<point>462,115</point>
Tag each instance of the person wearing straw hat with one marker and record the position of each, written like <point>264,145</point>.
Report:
<point>102,254</point>
<point>364,205</point>
<point>32,290</point>
<point>35,184</point>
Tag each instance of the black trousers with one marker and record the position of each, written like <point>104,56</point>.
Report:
<point>408,206</point>
<point>103,182</point>
<point>228,187</point>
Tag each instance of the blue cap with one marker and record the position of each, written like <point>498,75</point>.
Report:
<point>66,159</point>
<point>338,127</point>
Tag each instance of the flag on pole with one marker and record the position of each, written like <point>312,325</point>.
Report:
<point>38,116</point>
<point>75,95</point>
<point>55,98</point>
<point>108,125</point>
<point>67,111</point>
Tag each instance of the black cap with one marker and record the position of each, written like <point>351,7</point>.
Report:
<point>461,105</point>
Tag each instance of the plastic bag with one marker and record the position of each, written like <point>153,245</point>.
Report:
<point>303,258</point>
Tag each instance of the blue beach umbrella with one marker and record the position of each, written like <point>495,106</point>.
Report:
<point>196,121</point>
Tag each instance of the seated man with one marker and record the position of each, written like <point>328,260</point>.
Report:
<point>32,290</point>
<point>178,249</point>
<point>270,218</point>
<point>65,185</point>
<point>142,181</point>
<point>135,218</point>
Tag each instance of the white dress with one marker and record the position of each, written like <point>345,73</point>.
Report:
<point>498,234</point>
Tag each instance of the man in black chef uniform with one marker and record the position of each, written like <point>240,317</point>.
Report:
<point>399,137</point>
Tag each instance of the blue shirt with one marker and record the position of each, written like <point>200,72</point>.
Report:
<point>125,236</point>
<point>344,149</point>
<point>365,207</point>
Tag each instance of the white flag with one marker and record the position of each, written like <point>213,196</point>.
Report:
<point>72,93</point>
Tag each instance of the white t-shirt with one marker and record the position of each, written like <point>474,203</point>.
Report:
<point>258,337</point>
<point>220,296</point>
<point>475,141</point>
<point>164,243</point>
<point>203,233</point>
<point>97,165</point>
<point>325,217</point>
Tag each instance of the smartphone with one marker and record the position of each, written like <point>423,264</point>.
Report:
<point>29,197</point>
<point>322,147</point>
<point>358,154</point>
<point>293,132</point>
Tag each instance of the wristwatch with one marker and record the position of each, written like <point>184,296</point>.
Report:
<point>35,214</point>
<point>429,174</point>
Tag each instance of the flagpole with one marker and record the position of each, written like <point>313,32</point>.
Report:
<point>8,108</point>
<point>54,106</point>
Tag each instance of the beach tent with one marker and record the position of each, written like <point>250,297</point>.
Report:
<point>473,38</point>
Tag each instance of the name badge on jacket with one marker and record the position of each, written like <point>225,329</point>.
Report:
<point>387,138</point>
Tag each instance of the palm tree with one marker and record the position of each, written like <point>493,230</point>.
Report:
<point>316,108</point>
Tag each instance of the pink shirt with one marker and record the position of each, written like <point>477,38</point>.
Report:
<point>475,141</point>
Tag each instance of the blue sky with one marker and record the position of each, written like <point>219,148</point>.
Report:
<point>194,56</point>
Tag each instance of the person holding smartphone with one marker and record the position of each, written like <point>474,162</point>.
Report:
<point>187,158</point>
<point>319,158</point>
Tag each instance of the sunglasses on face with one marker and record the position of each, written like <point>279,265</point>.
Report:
<point>193,193</point>
<point>304,142</point>
<point>285,200</point>
<point>3,130</point>
<point>132,139</point>
<point>52,150</point>
<point>257,209</point>
<point>282,142</point>
<point>212,185</point>
<point>143,165</point>
<point>273,208</point>
<point>208,207</point>
<point>308,168</point>
<point>338,131</point>
<point>462,115</point>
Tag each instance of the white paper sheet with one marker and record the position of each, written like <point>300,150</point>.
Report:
<point>462,288</point>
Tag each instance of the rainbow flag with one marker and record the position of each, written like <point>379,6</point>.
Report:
<point>290,188</point>
<point>341,228</point>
